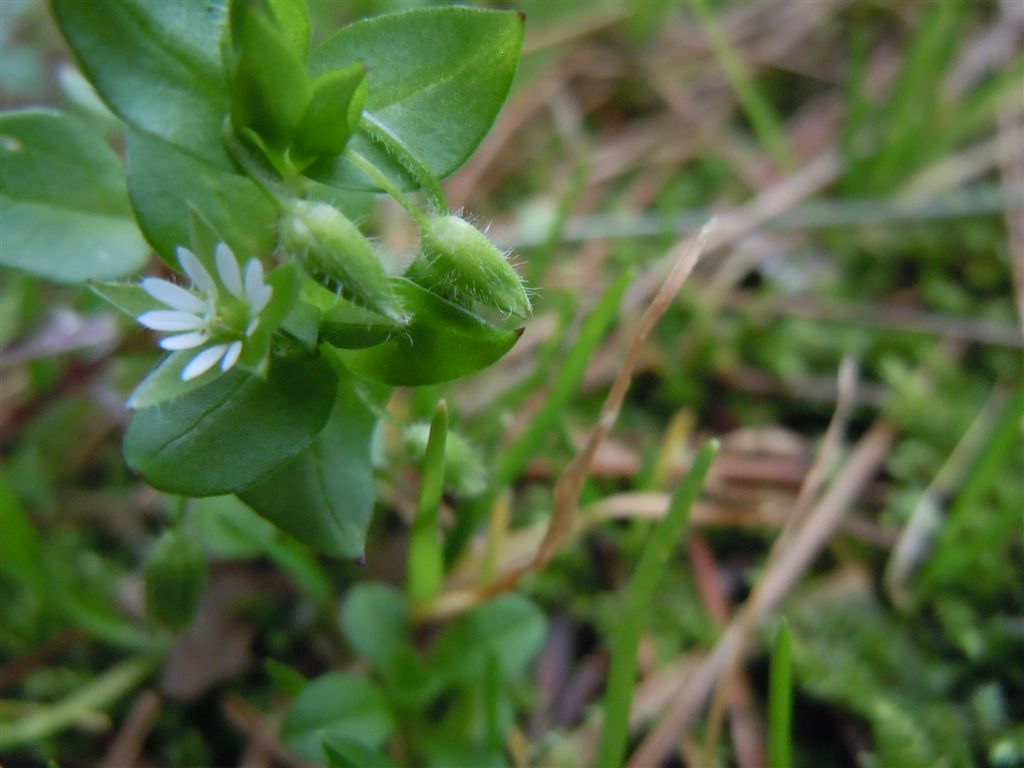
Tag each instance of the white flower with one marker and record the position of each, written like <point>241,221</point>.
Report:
<point>214,316</point>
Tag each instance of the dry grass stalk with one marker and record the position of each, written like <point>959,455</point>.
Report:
<point>776,582</point>
<point>569,486</point>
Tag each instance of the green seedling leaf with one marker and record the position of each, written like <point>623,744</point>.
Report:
<point>63,201</point>
<point>157,66</point>
<point>324,496</point>
<point>375,621</point>
<point>226,436</point>
<point>510,627</point>
<point>166,185</point>
<point>436,80</point>
<point>443,341</point>
<point>175,574</point>
<point>349,753</point>
<point>270,89</point>
<point>336,705</point>
<point>331,115</point>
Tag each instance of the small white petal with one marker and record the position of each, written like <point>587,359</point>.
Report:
<point>171,320</point>
<point>253,280</point>
<point>231,356</point>
<point>203,362</point>
<point>230,274</point>
<point>196,271</point>
<point>185,341</point>
<point>251,329</point>
<point>261,299</point>
<point>173,296</point>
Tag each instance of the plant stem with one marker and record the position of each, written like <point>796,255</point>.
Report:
<point>99,694</point>
<point>426,559</point>
<point>383,137</point>
<point>381,179</point>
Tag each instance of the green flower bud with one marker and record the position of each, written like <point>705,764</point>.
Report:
<point>175,573</point>
<point>458,261</point>
<point>332,247</point>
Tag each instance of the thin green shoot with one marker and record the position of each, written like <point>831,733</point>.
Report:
<point>426,556</point>
<point>663,541</point>
<point>780,701</point>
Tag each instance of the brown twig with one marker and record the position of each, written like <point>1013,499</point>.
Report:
<point>126,747</point>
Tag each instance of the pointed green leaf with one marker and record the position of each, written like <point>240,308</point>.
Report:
<point>436,80</point>
<point>270,89</point>
<point>324,497</point>
<point>157,65</point>
<point>331,115</point>
<point>166,183</point>
<point>126,297</point>
<point>442,342</point>
<point>348,753</point>
<point>63,201</point>
<point>227,435</point>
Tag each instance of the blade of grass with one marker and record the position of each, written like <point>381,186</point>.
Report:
<point>758,110</point>
<point>663,541</point>
<point>425,568</point>
<point>780,701</point>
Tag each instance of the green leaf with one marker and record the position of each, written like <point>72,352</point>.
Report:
<point>227,435</point>
<point>331,115</point>
<point>324,496</point>
<point>442,342</point>
<point>510,627</point>
<point>157,65</point>
<point>436,80</point>
<point>349,753</point>
<point>375,621</point>
<point>288,680</point>
<point>21,551</point>
<point>344,324</point>
<point>166,183</point>
<point>290,16</point>
<point>63,201</point>
<point>129,298</point>
<point>336,705</point>
<point>164,382</point>
<point>284,280</point>
<point>270,89</point>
